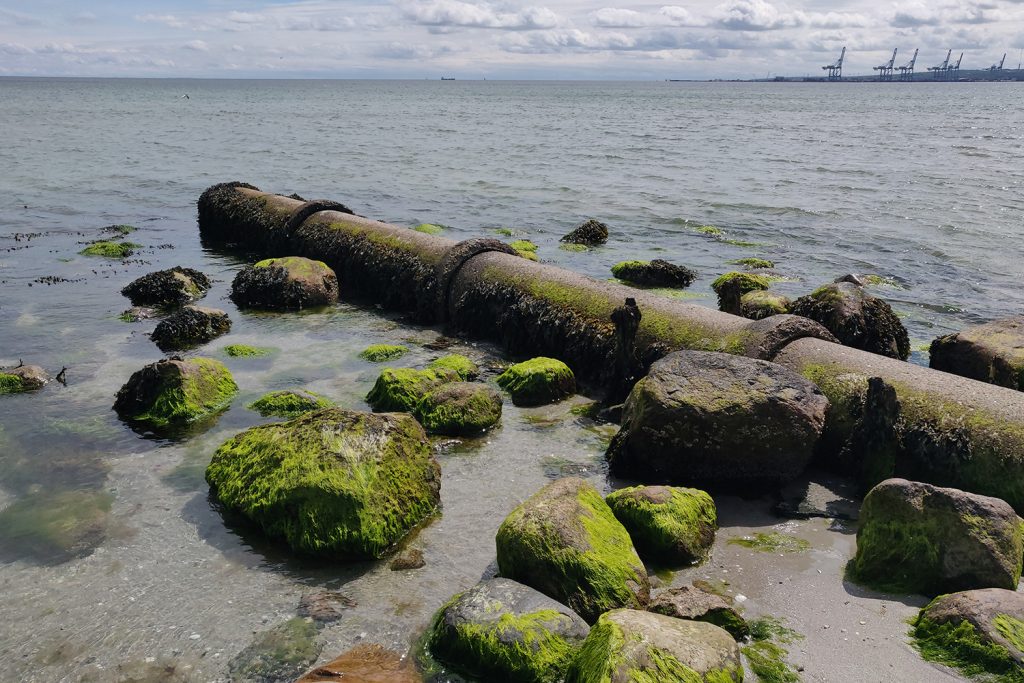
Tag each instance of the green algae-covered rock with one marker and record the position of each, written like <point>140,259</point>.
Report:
<point>378,353</point>
<point>919,538</point>
<point>246,351</point>
<point>334,482</point>
<point>503,630</point>
<point>54,527</point>
<point>525,248</point>
<point>288,283</point>
<point>280,654</point>
<point>669,524</point>
<point>108,249</point>
<point>979,632</point>
<point>752,263</point>
<point>459,409</point>
<point>402,389</point>
<point>565,542</point>
<point>429,228</point>
<point>538,381</point>
<point>466,369</point>
<point>630,646</point>
<point>656,273</point>
<point>731,287</point>
<point>761,304</point>
<point>22,378</point>
<point>176,392</point>
<point>190,326</point>
<point>171,287</point>
<point>993,352</point>
<point>289,403</point>
<point>856,318</point>
<point>688,602</point>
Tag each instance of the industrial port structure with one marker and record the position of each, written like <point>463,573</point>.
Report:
<point>946,70</point>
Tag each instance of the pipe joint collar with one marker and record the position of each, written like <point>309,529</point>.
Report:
<point>767,337</point>
<point>453,260</point>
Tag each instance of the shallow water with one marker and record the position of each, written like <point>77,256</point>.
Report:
<point>827,180</point>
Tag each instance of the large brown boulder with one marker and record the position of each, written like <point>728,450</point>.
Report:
<point>718,420</point>
<point>288,283</point>
<point>993,353</point>
<point>856,318</point>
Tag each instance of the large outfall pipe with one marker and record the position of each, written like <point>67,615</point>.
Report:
<point>964,433</point>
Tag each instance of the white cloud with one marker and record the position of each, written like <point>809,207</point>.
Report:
<point>671,15</point>
<point>455,13</point>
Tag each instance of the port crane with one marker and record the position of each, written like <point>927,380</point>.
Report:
<point>954,70</point>
<point>907,70</point>
<point>885,70</point>
<point>999,66</point>
<point>835,69</point>
<point>941,71</point>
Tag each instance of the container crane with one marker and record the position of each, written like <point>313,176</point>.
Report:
<point>954,70</point>
<point>907,70</point>
<point>941,71</point>
<point>999,66</point>
<point>835,69</point>
<point>885,70</point>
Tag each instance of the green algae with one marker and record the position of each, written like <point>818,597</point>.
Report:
<point>245,351</point>
<point>108,249</point>
<point>289,403</point>
<point>961,646</point>
<point>282,653</point>
<point>678,528</point>
<point>772,542</point>
<point>334,482</point>
<point>709,230</point>
<point>752,263</point>
<point>401,389</point>
<point>378,353</point>
<point>11,384</point>
<point>459,409</point>
<point>505,232</point>
<point>466,369</point>
<point>717,587</point>
<point>54,527</point>
<point>538,381</point>
<point>746,282</point>
<point>765,654</point>
<point>772,628</point>
<point>525,248</point>
<point>429,228</point>
<point>740,243</point>
<point>120,229</point>
<point>204,390</point>
<point>568,246</point>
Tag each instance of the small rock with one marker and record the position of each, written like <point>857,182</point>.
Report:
<point>172,287</point>
<point>590,232</point>
<point>655,273</point>
<point>538,381</point>
<point>288,283</point>
<point>733,286</point>
<point>402,389</point>
<point>324,607</point>
<point>993,353</point>
<point>22,378</point>
<point>176,391</point>
<point>687,602</point>
<point>459,409</point>
<point>190,327</point>
<point>761,304</point>
<point>410,558</point>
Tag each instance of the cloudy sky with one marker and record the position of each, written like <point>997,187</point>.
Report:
<point>614,39</point>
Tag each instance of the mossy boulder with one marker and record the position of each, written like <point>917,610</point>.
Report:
<point>176,391</point>
<point>627,646</point>
<point>761,304</point>
<point>51,527</point>
<point>503,630</point>
<point>22,378</point>
<point>280,654</point>
<point>731,287</point>
<point>464,367</point>
<point>189,327</point>
<point>246,351</point>
<point>979,632</point>
<point>590,232</point>
<point>993,353</point>
<point>459,409</point>
<point>919,538</point>
<point>402,389</point>
<point>538,381</point>
<point>712,419</point>
<point>366,663</point>
<point>288,283</point>
<point>378,353</point>
<point>171,287</point>
<point>655,273</point>
<point>110,249</point>
<point>668,524</point>
<point>565,542</point>
<point>334,482</point>
<point>856,318</point>
<point>688,602</point>
<point>289,403</point>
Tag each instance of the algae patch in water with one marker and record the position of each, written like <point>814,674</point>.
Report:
<point>53,528</point>
<point>280,654</point>
<point>245,351</point>
<point>766,656</point>
<point>429,228</point>
<point>378,353</point>
<point>772,542</point>
<point>108,249</point>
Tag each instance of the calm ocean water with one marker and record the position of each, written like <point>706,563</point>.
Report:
<point>921,184</point>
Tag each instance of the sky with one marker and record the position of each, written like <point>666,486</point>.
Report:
<point>465,39</point>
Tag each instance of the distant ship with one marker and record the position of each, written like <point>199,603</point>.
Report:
<point>447,78</point>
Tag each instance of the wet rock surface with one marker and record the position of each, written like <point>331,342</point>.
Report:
<point>672,525</point>
<point>590,232</point>
<point>324,606</point>
<point>856,318</point>
<point>993,353</point>
<point>538,381</point>
<point>711,419</point>
<point>176,391</point>
<point>365,663</point>
<point>165,288</point>
<point>761,304</point>
<point>688,602</point>
<point>819,494</point>
<point>288,283</point>
<point>654,273</point>
<point>402,389</point>
<point>22,378</point>
<point>289,403</point>
<point>459,409</point>
<point>190,327</point>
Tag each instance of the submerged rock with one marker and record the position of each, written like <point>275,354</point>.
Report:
<point>378,353</point>
<point>727,421</point>
<point>464,367</point>
<point>22,378</point>
<point>732,286</point>
<point>669,524</point>
<point>190,327</point>
<point>692,603</point>
<point>280,654</point>
<point>172,287</point>
<point>565,542</point>
<point>629,645</point>
<point>323,606</point>
<point>54,527</point>
<point>761,304</point>
<point>590,232</point>
<point>856,318</point>
<point>110,249</point>
<point>459,409</point>
<point>334,482</point>
<point>176,391</point>
<point>993,353</point>
<point>655,273</point>
<point>365,663</point>
<point>402,389</point>
<point>288,283</point>
<point>137,314</point>
<point>289,403</point>
<point>538,381</point>
<point>920,538</point>
<point>503,630</point>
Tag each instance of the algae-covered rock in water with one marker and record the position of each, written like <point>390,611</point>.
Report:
<point>289,403</point>
<point>538,381</point>
<point>993,353</point>
<point>172,287</point>
<point>761,304</point>
<point>565,542</point>
<point>732,286</point>
<point>365,663</point>
<point>590,232</point>
<point>402,389</point>
<point>656,273</point>
<point>466,369</point>
<point>687,602</point>
<point>979,632</point>
<point>703,418</point>
<point>22,378</point>
<point>54,527</point>
<point>669,524</point>
<point>627,646</point>
<point>246,351</point>
<point>525,248</point>
<point>335,482</point>
<point>280,654</point>
<point>856,318</point>
<point>459,409</point>
<point>288,283</point>
<point>501,630</point>
<point>378,353</point>
<point>189,327</point>
<point>919,538</point>
<point>176,391</point>
<point>109,249</point>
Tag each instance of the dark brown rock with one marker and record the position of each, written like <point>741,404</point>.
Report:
<point>190,327</point>
<point>692,603</point>
<point>288,283</point>
<point>993,353</point>
<point>856,318</point>
<point>172,287</point>
<point>590,232</point>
